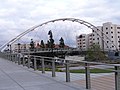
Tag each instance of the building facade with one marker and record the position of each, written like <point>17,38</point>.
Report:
<point>82,41</point>
<point>106,36</point>
<point>17,47</point>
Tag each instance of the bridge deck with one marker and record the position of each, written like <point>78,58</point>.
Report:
<point>15,77</point>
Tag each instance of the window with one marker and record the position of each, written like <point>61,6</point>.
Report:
<point>112,46</point>
<point>83,36</point>
<point>118,32</point>
<point>111,32</point>
<point>93,30</point>
<point>118,36</point>
<point>107,41</point>
<point>97,38</point>
<point>98,42</point>
<point>106,28</point>
<point>106,32</point>
<point>93,39</point>
<point>93,35</point>
<point>90,38</point>
<point>111,36</point>
<point>80,36</point>
<point>111,27</point>
<point>118,27</point>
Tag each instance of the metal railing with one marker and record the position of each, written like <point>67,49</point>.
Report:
<point>46,49</point>
<point>109,80</point>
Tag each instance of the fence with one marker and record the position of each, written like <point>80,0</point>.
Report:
<point>97,76</point>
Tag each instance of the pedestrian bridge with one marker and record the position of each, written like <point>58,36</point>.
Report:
<point>16,75</point>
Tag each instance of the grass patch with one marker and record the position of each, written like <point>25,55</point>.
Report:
<point>95,70</point>
<point>48,69</point>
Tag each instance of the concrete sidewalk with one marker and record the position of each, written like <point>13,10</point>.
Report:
<point>17,77</point>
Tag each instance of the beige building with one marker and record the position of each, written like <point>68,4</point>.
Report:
<point>107,36</point>
<point>82,41</point>
<point>16,47</point>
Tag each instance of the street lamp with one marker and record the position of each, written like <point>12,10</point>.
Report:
<point>8,47</point>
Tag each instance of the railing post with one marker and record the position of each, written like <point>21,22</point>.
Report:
<point>12,57</point>
<point>16,58</point>
<point>43,66</point>
<point>23,60</point>
<point>117,78</point>
<point>8,56</point>
<point>35,67</point>
<point>28,61</point>
<point>19,61</point>
<point>87,74</point>
<point>67,71</point>
<point>53,68</point>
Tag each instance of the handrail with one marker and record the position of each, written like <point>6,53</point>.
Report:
<point>16,58</point>
<point>98,63</point>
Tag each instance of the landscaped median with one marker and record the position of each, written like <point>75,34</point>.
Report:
<point>95,70</point>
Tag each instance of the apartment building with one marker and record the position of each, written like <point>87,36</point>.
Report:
<point>16,47</point>
<point>107,36</point>
<point>82,41</point>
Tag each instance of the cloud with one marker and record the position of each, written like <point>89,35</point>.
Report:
<point>17,16</point>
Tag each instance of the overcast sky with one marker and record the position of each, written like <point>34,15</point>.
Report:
<point>18,15</point>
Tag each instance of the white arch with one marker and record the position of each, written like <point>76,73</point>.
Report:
<point>89,25</point>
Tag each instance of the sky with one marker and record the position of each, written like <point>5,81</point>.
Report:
<point>17,16</point>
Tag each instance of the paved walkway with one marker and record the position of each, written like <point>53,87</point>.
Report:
<point>17,77</point>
